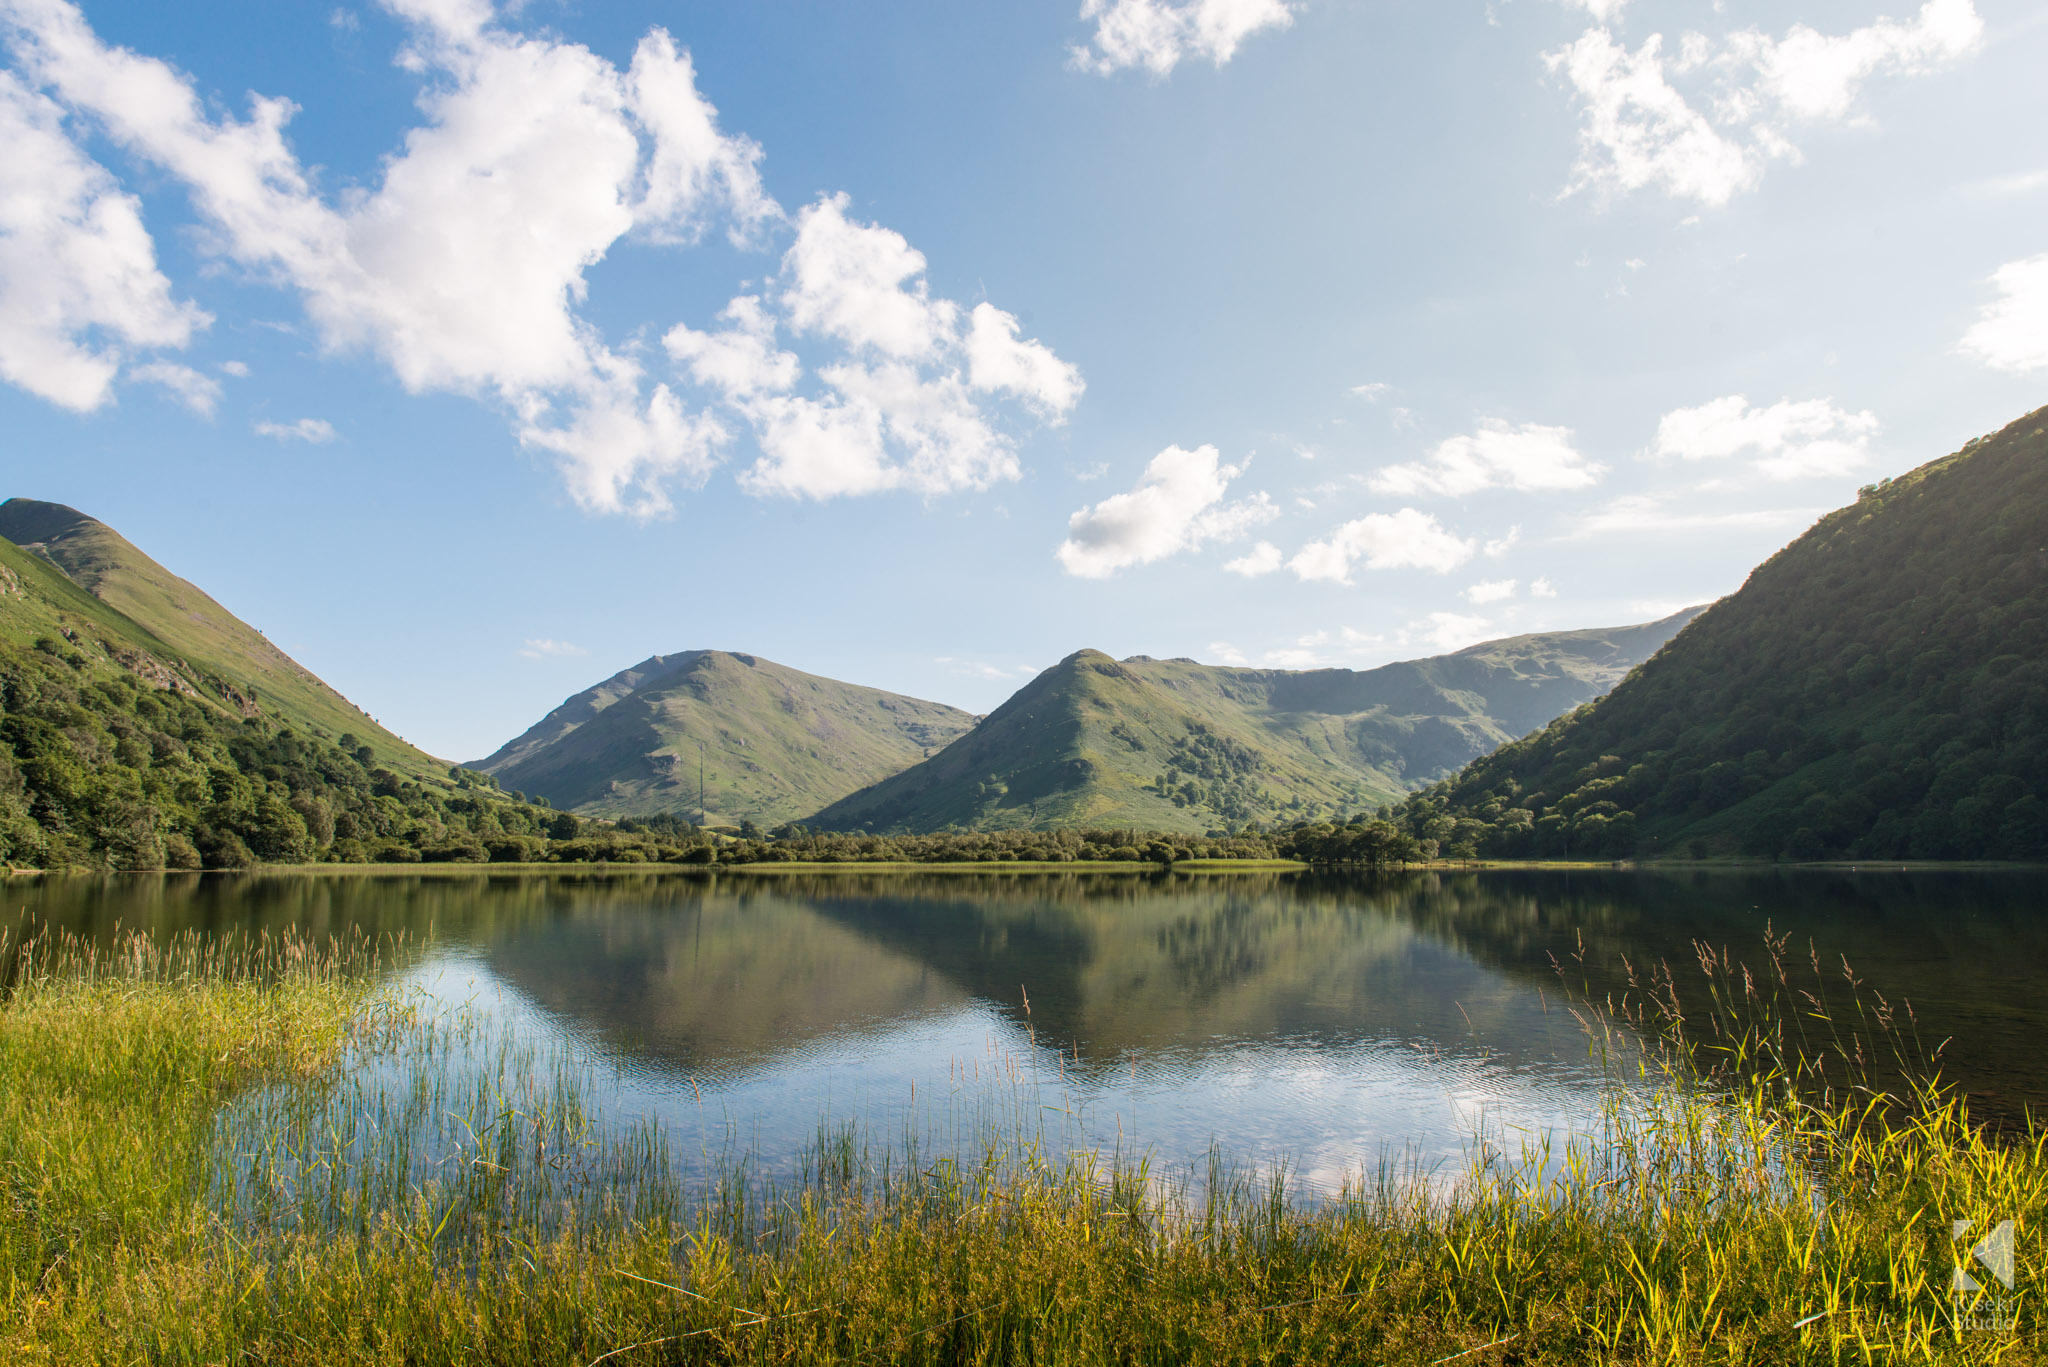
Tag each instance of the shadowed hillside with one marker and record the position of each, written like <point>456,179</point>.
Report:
<point>1877,689</point>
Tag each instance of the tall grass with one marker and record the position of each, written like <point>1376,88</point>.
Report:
<point>249,1153</point>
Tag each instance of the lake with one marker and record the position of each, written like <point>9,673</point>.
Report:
<point>1321,1021</point>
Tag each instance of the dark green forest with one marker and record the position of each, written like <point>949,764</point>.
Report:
<point>1876,690</point>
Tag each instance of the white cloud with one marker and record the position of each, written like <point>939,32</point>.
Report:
<point>1159,34</point>
<point>540,648</point>
<point>900,409</point>
<point>1407,539</point>
<point>196,391</point>
<point>1491,590</point>
<point>464,267</point>
<point>1652,513</point>
<point>1501,545</point>
<point>1176,505</point>
<point>1639,131</point>
<point>238,369</point>
<point>1811,75</point>
<point>78,272</point>
<point>2012,332</point>
<point>1791,440</point>
<point>998,361</point>
<point>1262,559</point>
<point>1372,391</point>
<point>1447,631</point>
<point>1541,588</point>
<point>1752,93</point>
<point>317,431</point>
<point>741,360</point>
<point>1603,11</point>
<point>982,669</point>
<point>862,284</point>
<point>1530,457</point>
<point>1228,654</point>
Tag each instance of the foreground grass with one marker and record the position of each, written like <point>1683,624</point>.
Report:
<point>242,1154</point>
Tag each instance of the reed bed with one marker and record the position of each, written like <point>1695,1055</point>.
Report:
<point>255,1152</point>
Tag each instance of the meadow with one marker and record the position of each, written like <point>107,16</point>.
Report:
<point>254,1150</point>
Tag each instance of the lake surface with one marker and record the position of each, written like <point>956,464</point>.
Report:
<point>1325,1022</point>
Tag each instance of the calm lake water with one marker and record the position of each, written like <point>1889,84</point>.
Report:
<point>1322,1021</point>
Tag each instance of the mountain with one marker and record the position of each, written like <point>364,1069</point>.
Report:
<point>1179,746</point>
<point>106,590</point>
<point>143,727</point>
<point>1876,690</point>
<point>775,743</point>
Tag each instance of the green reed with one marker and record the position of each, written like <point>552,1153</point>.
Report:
<point>249,1151</point>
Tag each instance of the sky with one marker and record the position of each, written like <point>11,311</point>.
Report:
<point>474,351</point>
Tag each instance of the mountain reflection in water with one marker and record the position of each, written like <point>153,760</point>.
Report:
<point>1324,1020</point>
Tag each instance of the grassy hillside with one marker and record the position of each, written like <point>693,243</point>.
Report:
<point>1877,689</point>
<point>776,743</point>
<point>119,590</point>
<point>1173,745</point>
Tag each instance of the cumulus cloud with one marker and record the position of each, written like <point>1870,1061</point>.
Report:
<point>2012,332</point>
<point>1176,505</point>
<point>1747,96</point>
<point>904,407</point>
<point>79,283</point>
<point>316,431</point>
<point>1490,590</point>
<point>862,284</point>
<point>998,361</point>
<point>540,648</point>
<point>464,267</point>
<point>1158,35</point>
<point>1542,588</point>
<point>1263,559</point>
<point>1789,440</point>
<point>1530,458</point>
<point>740,361</point>
<point>1408,539</point>
<point>196,391</point>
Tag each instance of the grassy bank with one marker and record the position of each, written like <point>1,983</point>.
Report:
<point>245,1153</point>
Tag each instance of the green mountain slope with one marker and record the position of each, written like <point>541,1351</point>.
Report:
<point>1877,689</point>
<point>118,591</point>
<point>774,743</point>
<point>1179,746</point>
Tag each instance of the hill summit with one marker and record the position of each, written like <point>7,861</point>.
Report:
<point>170,629</point>
<point>1173,745</point>
<point>774,743</point>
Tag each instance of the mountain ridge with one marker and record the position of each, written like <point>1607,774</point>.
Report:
<point>1175,745</point>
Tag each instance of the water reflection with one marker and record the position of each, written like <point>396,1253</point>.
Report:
<point>1316,1018</point>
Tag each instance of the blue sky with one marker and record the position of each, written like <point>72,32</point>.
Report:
<point>474,352</point>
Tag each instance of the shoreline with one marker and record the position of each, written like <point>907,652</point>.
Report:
<point>1126,866</point>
